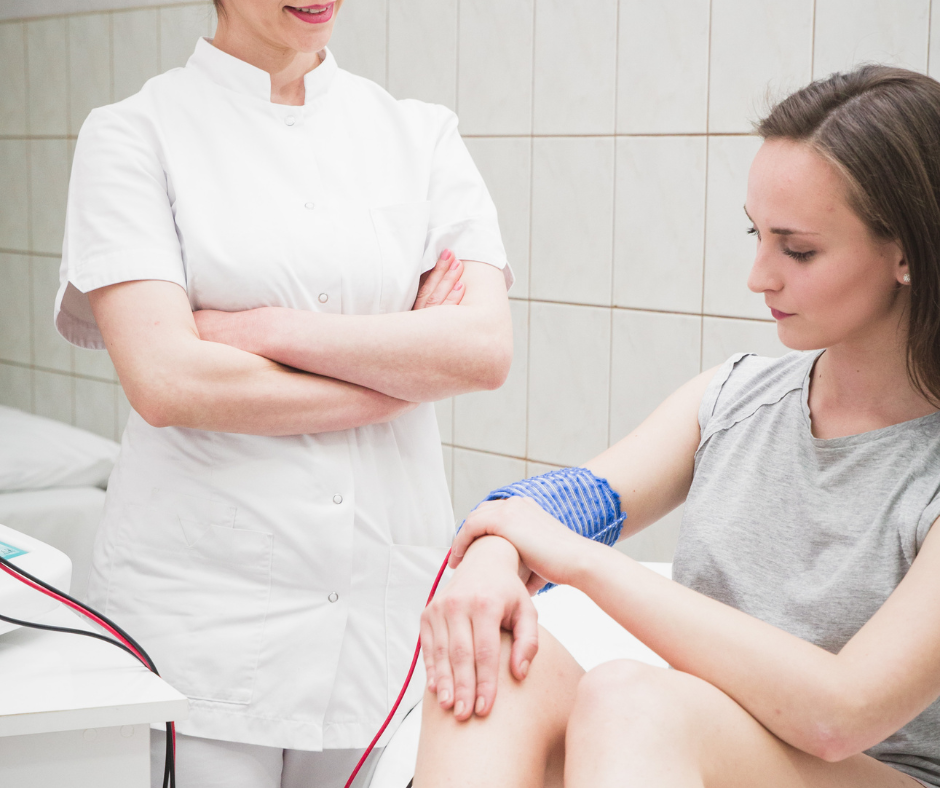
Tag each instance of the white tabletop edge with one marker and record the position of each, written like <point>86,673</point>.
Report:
<point>102,717</point>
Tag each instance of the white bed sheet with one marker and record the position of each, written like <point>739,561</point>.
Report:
<point>65,517</point>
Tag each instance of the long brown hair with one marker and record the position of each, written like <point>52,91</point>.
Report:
<point>880,127</point>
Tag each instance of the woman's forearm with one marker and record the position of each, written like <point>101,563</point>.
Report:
<point>800,692</point>
<point>173,378</point>
<point>419,356</point>
<point>223,389</point>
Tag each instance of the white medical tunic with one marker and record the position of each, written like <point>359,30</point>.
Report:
<point>276,581</point>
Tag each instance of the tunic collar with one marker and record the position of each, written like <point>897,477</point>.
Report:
<point>244,78</point>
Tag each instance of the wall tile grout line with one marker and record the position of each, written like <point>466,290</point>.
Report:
<point>20,19</point>
<point>54,371</point>
<point>615,135</point>
<point>613,231</point>
<point>29,221</point>
<point>499,454</point>
<point>28,252</point>
<point>812,41</point>
<point>708,101</point>
<point>528,311</point>
<point>929,28</point>
<point>28,137</point>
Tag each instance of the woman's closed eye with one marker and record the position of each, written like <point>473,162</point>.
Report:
<point>800,257</point>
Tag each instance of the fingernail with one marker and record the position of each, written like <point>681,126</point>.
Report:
<point>481,702</point>
<point>443,696</point>
<point>432,685</point>
<point>455,265</point>
<point>458,709</point>
<point>446,253</point>
<point>458,285</point>
<point>524,668</point>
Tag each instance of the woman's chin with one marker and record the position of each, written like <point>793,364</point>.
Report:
<point>798,340</point>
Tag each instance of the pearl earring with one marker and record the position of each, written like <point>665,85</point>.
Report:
<point>907,279</point>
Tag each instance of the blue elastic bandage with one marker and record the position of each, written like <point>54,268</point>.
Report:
<point>585,503</point>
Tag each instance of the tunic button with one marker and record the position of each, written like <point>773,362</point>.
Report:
<point>289,120</point>
<point>337,498</point>
<point>323,298</point>
<point>309,206</point>
<point>333,596</point>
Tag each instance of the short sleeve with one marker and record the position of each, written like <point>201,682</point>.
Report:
<point>706,408</point>
<point>928,517</point>
<point>119,223</point>
<point>463,216</point>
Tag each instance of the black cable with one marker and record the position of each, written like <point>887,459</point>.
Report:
<point>148,662</point>
<point>69,630</point>
<point>169,764</point>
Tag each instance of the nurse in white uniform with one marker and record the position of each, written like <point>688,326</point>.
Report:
<point>246,236</point>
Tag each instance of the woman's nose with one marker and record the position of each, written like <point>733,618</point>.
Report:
<point>763,277</point>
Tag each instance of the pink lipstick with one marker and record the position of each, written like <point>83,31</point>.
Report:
<point>313,14</point>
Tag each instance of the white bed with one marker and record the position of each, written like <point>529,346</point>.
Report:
<point>52,479</point>
<point>64,517</point>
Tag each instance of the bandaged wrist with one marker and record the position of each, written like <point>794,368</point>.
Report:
<point>585,503</point>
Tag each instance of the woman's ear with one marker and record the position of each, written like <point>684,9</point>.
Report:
<point>895,255</point>
<point>902,273</point>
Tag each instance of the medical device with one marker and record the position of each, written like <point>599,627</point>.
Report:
<point>20,556</point>
<point>41,560</point>
<point>29,565</point>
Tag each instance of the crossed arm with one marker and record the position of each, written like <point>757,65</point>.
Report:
<point>270,371</point>
<point>829,705</point>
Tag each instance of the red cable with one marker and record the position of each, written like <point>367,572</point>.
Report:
<point>95,619</point>
<point>404,687</point>
<point>77,608</point>
<point>88,614</point>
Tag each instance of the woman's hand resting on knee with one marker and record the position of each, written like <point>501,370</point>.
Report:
<point>460,629</point>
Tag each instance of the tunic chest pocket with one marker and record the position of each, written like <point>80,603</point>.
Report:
<point>402,232</point>
<point>194,590</point>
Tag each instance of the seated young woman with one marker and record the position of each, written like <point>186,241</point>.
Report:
<point>803,621</point>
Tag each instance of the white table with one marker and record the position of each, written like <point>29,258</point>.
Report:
<point>75,712</point>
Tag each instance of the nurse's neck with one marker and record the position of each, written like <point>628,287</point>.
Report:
<point>286,66</point>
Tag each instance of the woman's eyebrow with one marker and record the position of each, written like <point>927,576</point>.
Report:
<point>782,230</point>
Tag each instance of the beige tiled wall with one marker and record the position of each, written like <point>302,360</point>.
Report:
<point>53,71</point>
<point>613,135</point>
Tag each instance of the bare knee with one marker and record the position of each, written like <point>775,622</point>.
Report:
<point>624,695</point>
<point>522,736</point>
<point>548,691</point>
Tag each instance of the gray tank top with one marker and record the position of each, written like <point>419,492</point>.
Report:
<point>807,534</point>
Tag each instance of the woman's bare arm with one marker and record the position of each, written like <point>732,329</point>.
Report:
<point>173,378</point>
<point>651,469</point>
<point>419,356</point>
<point>831,706</point>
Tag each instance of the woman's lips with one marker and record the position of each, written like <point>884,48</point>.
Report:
<point>325,13</point>
<point>778,315</point>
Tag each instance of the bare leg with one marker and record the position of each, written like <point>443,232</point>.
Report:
<point>520,744</point>
<point>637,725</point>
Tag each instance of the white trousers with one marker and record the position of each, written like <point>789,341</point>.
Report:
<point>209,763</point>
